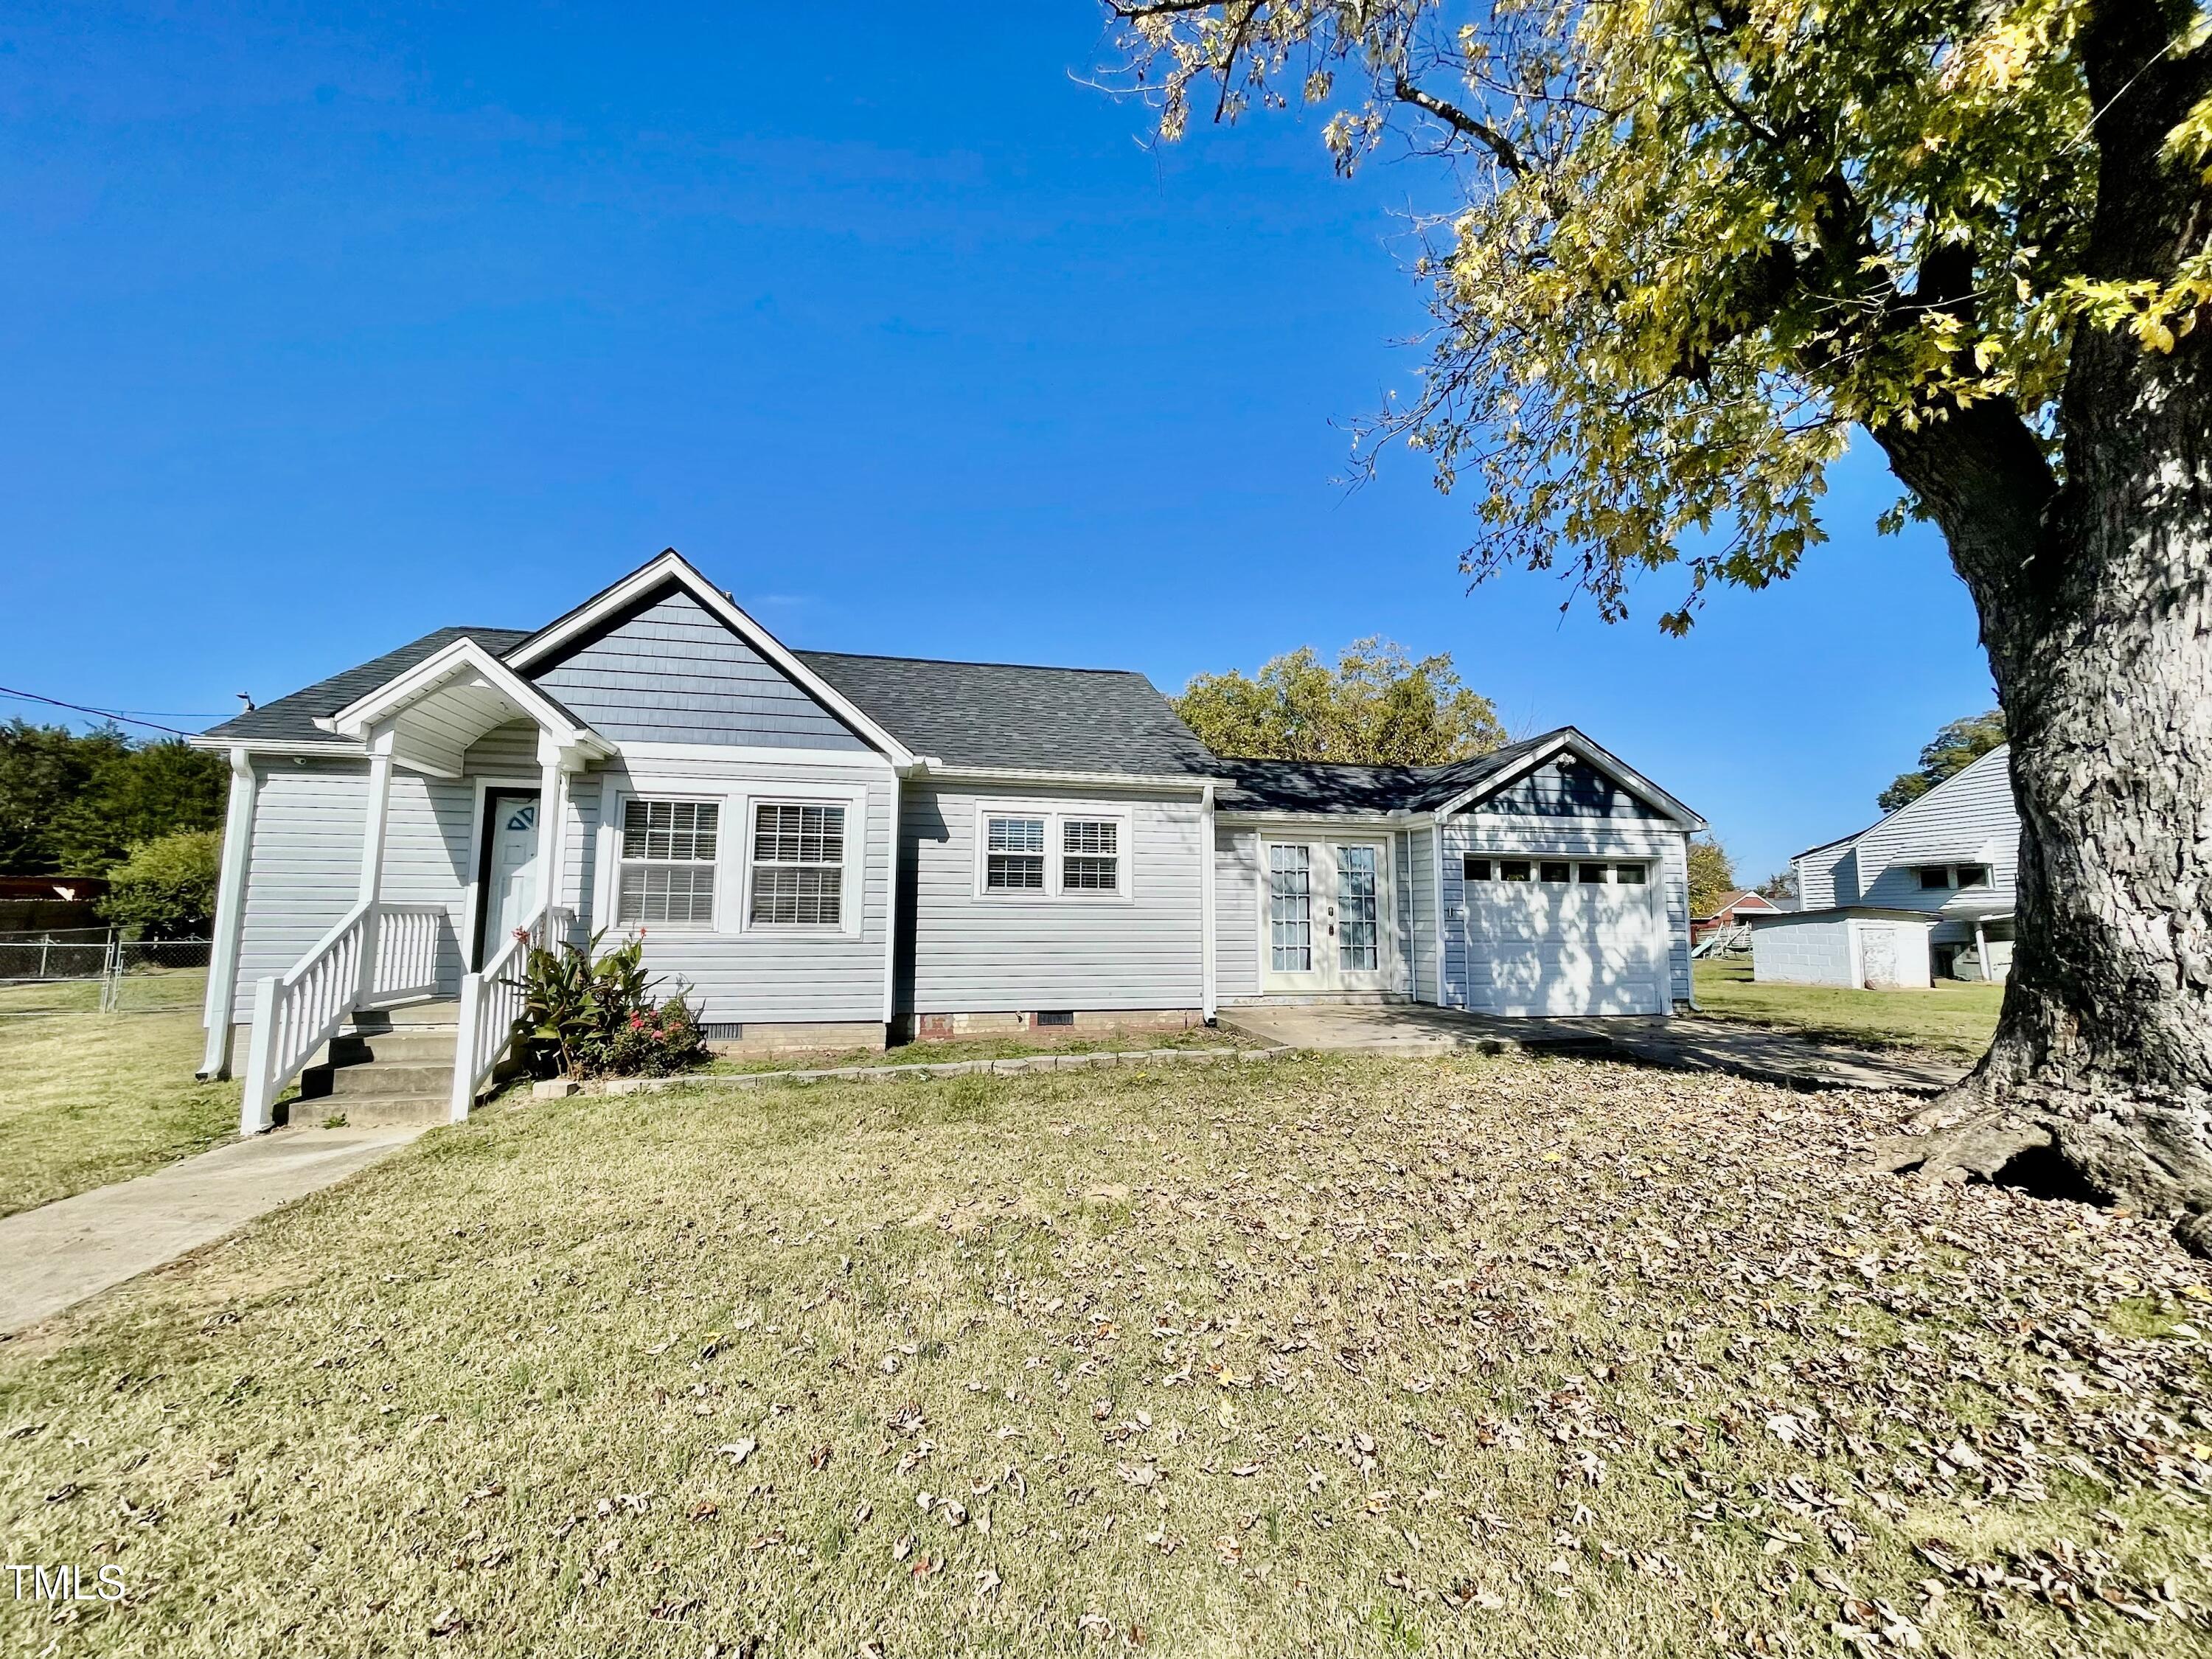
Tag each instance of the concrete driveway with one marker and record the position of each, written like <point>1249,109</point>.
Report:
<point>55,1255</point>
<point>1690,1041</point>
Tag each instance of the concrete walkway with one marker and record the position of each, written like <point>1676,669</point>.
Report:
<point>1694,1042</point>
<point>59,1254</point>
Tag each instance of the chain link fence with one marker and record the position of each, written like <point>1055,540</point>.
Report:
<point>94,970</point>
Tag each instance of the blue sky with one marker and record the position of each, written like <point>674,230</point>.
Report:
<point>323,326</point>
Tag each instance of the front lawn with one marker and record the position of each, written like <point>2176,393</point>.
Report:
<point>87,1098</point>
<point>1951,1017</point>
<point>1499,1356</point>
<point>939,1051</point>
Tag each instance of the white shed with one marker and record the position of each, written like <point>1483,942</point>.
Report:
<point>1849,944</point>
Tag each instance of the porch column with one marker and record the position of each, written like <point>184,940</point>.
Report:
<point>552,813</point>
<point>372,855</point>
<point>229,916</point>
<point>1981,949</point>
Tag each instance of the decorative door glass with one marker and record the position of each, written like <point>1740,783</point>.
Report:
<point>1290,908</point>
<point>1356,909</point>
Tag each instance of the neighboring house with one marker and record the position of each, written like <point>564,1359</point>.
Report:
<point>1734,909</point>
<point>826,849</point>
<point>1939,870</point>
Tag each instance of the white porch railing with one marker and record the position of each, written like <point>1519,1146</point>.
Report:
<point>491,1002</point>
<point>407,937</point>
<point>297,1013</point>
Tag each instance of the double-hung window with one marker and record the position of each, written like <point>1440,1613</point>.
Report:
<point>1090,855</point>
<point>1013,855</point>
<point>798,865</point>
<point>1047,854</point>
<point>668,863</point>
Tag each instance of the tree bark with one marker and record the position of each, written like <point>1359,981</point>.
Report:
<point>2095,592</point>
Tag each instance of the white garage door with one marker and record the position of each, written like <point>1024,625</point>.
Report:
<point>1565,936</point>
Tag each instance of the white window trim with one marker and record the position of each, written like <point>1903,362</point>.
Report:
<point>733,863</point>
<point>617,818</point>
<point>1054,890</point>
<point>853,887</point>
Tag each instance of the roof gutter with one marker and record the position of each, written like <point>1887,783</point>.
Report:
<point>929,767</point>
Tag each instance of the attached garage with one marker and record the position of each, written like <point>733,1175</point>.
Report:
<point>1568,935</point>
<point>1546,878</point>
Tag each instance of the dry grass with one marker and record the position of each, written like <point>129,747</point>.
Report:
<point>951,1050</point>
<point>90,1098</point>
<point>1469,1356</point>
<point>1950,1017</point>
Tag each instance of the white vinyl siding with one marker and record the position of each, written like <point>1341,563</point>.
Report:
<point>776,973</point>
<point>304,869</point>
<point>1968,819</point>
<point>1237,889</point>
<point>979,951</point>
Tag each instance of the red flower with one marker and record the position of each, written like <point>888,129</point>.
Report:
<point>521,932</point>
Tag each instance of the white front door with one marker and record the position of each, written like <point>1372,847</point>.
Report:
<point>510,871</point>
<point>1329,917</point>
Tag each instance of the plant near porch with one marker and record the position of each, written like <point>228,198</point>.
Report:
<point>1693,245</point>
<point>590,1015</point>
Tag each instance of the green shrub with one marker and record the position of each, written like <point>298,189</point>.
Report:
<point>584,1016</point>
<point>165,888</point>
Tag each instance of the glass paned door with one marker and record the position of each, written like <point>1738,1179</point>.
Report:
<point>1290,908</point>
<point>1359,910</point>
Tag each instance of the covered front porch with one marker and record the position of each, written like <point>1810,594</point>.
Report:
<point>455,941</point>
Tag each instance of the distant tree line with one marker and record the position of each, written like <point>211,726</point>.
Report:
<point>144,815</point>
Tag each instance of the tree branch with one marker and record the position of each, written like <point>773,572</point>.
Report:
<point>1460,121</point>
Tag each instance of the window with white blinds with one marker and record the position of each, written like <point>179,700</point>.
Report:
<point>798,865</point>
<point>668,863</point>
<point>1090,855</point>
<point>1014,856</point>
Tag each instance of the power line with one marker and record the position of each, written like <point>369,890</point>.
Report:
<point>104,714</point>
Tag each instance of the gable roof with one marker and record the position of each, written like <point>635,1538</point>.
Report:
<point>1018,717</point>
<point>1995,756</point>
<point>1740,896</point>
<point>291,720</point>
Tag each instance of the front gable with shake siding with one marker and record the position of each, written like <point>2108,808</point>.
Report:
<point>832,850</point>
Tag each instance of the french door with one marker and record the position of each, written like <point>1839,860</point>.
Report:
<point>1326,905</point>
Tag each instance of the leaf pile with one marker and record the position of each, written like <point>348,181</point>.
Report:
<point>1333,1356</point>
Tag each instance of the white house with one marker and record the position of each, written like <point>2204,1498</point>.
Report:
<point>829,850</point>
<point>1937,873</point>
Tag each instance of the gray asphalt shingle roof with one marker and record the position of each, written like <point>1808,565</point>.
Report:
<point>1001,715</point>
<point>1281,786</point>
<point>292,719</point>
<point>1007,714</point>
<point>987,714</point>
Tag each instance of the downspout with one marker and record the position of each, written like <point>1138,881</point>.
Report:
<point>891,904</point>
<point>1437,897</point>
<point>229,916</point>
<point>1208,922</point>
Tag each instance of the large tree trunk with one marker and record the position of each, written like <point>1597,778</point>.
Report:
<point>2096,596</point>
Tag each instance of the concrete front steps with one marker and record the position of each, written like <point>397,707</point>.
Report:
<point>389,1066</point>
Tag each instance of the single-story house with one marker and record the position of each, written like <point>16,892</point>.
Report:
<point>1948,859</point>
<point>1735,908</point>
<point>827,850</point>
